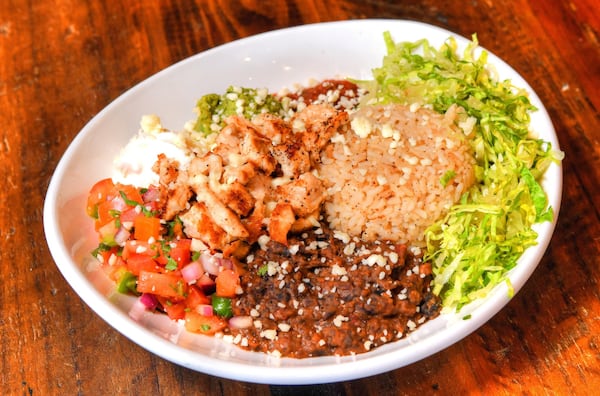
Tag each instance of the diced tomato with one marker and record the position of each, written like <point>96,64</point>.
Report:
<point>140,262</point>
<point>107,211</point>
<point>195,297</point>
<point>100,192</point>
<point>178,250</point>
<point>169,285</point>
<point>181,252</point>
<point>140,247</point>
<point>105,201</point>
<point>227,283</point>
<point>107,233</point>
<point>130,215</point>
<point>197,323</point>
<point>131,192</point>
<point>146,228</point>
<point>175,310</point>
<point>105,254</point>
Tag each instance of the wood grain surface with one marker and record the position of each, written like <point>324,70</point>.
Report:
<point>62,61</point>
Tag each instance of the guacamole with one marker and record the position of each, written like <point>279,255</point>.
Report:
<point>213,109</point>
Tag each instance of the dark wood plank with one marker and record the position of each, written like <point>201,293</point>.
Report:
<point>63,61</point>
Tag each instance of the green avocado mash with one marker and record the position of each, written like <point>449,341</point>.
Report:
<point>213,108</point>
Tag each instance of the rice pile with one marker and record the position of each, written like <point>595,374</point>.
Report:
<point>384,173</point>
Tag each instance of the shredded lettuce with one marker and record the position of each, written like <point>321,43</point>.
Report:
<point>481,238</point>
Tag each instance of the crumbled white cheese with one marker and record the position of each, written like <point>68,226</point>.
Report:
<point>387,131</point>
<point>337,270</point>
<point>361,126</point>
<point>337,321</point>
<point>269,334</point>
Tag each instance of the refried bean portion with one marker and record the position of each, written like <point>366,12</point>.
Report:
<point>329,294</point>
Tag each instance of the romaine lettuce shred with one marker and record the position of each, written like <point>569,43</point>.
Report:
<point>481,238</point>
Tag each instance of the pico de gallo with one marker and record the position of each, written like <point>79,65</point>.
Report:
<point>153,259</point>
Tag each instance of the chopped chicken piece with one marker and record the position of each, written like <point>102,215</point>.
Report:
<point>220,213</point>
<point>237,248</point>
<point>304,194</point>
<point>321,122</point>
<point>257,179</point>
<point>260,187</point>
<point>237,198</point>
<point>167,169</point>
<point>198,223</point>
<point>287,147</point>
<point>255,222</point>
<point>257,149</point>
<point>282,219</point>
<point>174,195</point>
<point>178,200</point>
<point>273,128</point>
<point>231,192</point>
<point>239,139</point>
<point>293,157</point>
<point>306,223</point>
<point>242,174</point>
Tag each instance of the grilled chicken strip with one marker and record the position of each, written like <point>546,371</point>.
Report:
<point>256,180</point>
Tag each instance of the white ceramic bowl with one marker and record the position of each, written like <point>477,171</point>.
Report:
<point>274,60</point>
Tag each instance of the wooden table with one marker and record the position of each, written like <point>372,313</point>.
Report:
<point>62,61</point>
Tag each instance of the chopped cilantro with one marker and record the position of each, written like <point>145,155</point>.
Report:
<point>165,246</point>
<point>172,225</point>
<point>102,247</point>
<point>263,270</point>
<point>171,264</point>
<point>130,202</point>
<point>222,306</point>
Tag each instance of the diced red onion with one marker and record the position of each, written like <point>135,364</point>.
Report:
<point>151,195</point>
<point>138,309</point>
<point>205,310</point>
<point>211,264</point>
<point>226,263</point>
<point>206,284</point>
<point>148,300</point>
<point>118,203</point>
<point>192,272</point>
<point>122,236</point>
<point>240,322</point>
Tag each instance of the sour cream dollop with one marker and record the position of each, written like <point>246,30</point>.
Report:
<point>135,161</point>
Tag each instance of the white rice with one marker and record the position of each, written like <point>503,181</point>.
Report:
<point>384,173</point>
